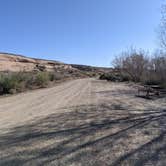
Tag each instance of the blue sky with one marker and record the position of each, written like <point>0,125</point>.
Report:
<point>78,31</point>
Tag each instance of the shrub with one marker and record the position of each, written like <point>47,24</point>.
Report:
<point>42,79</point>
<point>108,77</point>
<point>18,82</point>
<point>9,83</point>
<point>114,77</point>
<point>102,77</point>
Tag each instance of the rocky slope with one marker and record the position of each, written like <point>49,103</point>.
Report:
<point>15,63</point>
<point>19,63</point>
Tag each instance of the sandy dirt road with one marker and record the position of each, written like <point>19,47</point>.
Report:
<point>80,123</point>
<point>29,106</point>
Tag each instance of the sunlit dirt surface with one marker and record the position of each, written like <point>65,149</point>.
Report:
<point>81,123</point>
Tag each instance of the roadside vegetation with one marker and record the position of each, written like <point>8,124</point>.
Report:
<point>115,77</point>
<point>16,82</point>
<point>135,65</point>
<point>11,83</point>
<point>139,66</point>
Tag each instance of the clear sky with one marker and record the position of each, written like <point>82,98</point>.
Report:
<point>78,31</point>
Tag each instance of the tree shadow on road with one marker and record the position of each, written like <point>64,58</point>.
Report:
<point>88,135</point>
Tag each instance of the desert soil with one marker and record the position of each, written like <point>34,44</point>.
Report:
<point>82,123</point>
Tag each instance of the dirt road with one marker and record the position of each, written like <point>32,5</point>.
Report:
<point>29,106</point>
<point>82,122</point>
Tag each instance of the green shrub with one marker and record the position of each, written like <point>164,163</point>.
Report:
<point>42,79</point>
<point>114,77</point>
<point>104,76</point>
<point>9,83</point>
<point>125,78</point>
<point>18,82</point>
<point>107,76</point>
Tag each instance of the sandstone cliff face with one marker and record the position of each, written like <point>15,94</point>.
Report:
<point>16,63</point>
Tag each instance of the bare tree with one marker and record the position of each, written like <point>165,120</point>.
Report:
<point>159,64</point>
<point>162,31</point>
<point>133,62</point>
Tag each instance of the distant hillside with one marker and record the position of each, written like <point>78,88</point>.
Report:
<point>92,68</point>
<point>17,63</point>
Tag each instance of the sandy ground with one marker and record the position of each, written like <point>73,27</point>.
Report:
<point>30,106</point>
<point>83,122</point>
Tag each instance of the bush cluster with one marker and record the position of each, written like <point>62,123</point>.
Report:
<point>115,77</point>
<point>19,82</point>
<point>142,68</point>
